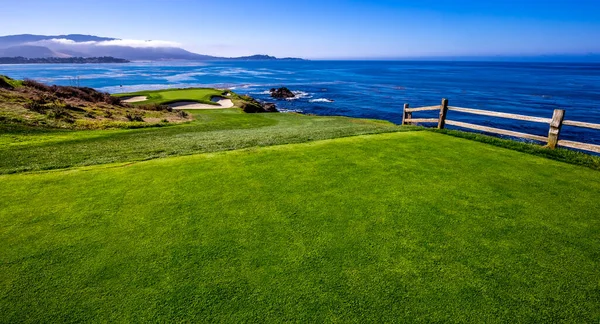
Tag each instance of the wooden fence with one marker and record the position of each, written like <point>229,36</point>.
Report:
<point>552,141</point>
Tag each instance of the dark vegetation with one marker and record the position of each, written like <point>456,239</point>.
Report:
<point>55,92</point>
<point>61,60</point>
<point>33,103</point>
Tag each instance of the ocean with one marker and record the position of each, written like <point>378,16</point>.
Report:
<point>369,89</point>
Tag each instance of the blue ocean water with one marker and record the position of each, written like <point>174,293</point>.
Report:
<point>371,89</point>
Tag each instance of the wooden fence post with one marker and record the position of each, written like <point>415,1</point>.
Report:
<point>555,127</point>
<point>443,113</point>
<point>406,115</point>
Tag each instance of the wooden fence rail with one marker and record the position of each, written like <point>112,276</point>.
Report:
<point>555,124</point>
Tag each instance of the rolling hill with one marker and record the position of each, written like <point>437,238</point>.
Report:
<point>76,45</point>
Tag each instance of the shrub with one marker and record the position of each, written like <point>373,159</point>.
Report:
<point>134,117</point>
<point>73,108</point>
<point>182,114</point>
<point>155,107</point>
<point>72,93</point>
<point>81,93</point>
<point>45,98</point>
<point>59,111</point>
<point>112,100</point>
<point>36,106</point>
<point>36,85</point>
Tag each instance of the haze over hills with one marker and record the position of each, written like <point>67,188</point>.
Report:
<point>75,45</point>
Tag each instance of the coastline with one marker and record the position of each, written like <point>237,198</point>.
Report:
<point>363,89</point>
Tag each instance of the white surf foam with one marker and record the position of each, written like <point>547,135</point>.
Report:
<point>321,100</point>
<point>299,95</point>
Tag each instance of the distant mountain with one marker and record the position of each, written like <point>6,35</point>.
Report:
<point>60,60</point>
<point>12,40</point>
<point>30,51</point>
<point>262,58</point>
<point>76,45</point>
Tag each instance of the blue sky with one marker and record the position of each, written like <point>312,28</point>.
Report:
<point>326,29</point>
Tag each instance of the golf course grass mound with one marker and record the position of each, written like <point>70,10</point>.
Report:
<point>197,98</point>
<point>396,227</point>
<point>168,96</point>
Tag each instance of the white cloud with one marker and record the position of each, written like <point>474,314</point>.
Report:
<point>138,43</point>
<point>116,42</point>
<point>60,41</point>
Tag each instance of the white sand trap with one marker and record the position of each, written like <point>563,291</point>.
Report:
<point>134,99</point>
<point>222,103</point>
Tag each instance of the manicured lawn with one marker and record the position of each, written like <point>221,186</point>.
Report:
<point>400,227</point>
<point>202,95</point>
<point>26,149</point>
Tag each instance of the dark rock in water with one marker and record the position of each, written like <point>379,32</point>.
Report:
<point>282,93</point>
<point>270,107</point>
<point>252,106</point>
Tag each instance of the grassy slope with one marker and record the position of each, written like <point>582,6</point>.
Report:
<point>25,149</point>
<point>12,82</point>
<point>413,226</point>
<point>32,104</point>
<point>202,95</point>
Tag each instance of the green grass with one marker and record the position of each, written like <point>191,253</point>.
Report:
<point>559,154</point>
<point>400,227</point>
<point>12,82</point>
<point>163,97</point>
<point>27,149</point>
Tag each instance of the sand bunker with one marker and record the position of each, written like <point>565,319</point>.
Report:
<point>222,103</point>
<point>134,99</point>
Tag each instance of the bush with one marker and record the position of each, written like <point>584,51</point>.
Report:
<point>72,93</point>
<point>45,98</point>
<point>155,107</point>
<point>37,85</point>
<point>134,117</point>
<point>182,114</point>
<point>74,108</point>
<point>81,93</point>
<point>36,106</point>
<point>112,100</point>
<point>59,111</point>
